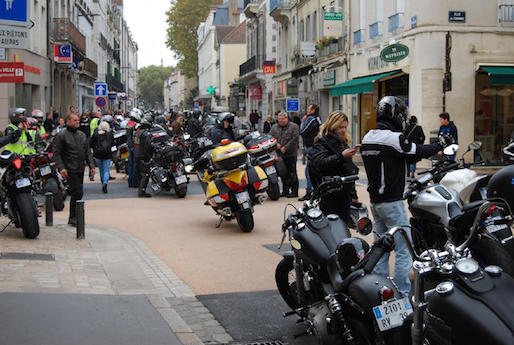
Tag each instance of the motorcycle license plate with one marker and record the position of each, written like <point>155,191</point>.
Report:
<point>181,179</point>
<point>22,182</point>
<point>271,170</point>
<point>391,314</point>
<point>46,170</point>
<point>114,149</point>
<point>242,197</point>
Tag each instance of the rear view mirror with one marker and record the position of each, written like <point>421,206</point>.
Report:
<point>187,136</point>
<point>475,145</point>
<point>451,150</point>
<point>364,226</point>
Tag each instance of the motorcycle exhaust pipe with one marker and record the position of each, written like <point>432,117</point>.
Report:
<point>225,212</point>
<point>262,198</point>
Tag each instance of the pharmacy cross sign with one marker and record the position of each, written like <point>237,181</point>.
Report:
<point>211,89</point>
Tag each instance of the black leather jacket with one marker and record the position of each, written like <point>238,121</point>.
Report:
<point>219,133</point>
<point>72,151</point>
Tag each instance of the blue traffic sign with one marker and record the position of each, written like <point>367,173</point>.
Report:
<point>100,102</point>
<point>292,104</point>
<point>100,89</point>
<point>14,12</point>
<point>196,106</point>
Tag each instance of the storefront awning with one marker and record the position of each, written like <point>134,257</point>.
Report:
<point>499,75</point>
<point>359,85</point>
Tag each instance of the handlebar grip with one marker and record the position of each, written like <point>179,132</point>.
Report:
<point>351,178</point>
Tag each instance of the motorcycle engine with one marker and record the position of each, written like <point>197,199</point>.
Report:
<point>320,318</point>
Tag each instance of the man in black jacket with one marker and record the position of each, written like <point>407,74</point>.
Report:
<point>143,154</point>
<point>386,153</point>
<point>309,129</point>
<point>72,154</point>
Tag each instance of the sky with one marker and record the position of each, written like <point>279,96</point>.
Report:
<point>147,22</point>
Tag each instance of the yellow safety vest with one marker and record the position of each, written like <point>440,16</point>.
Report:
<point>93,125</point>
<point>23,146</point>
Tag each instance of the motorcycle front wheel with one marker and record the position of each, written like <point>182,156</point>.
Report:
<point>285,278</point>
<point>273,191</point>
<point>245,220</point>
<point>28,215</point>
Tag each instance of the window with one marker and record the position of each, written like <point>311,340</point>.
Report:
<point>301,31</point>
<point>273,49</point>
<point>308,28</point>
<point>315,26</point>
<point>274,38</point>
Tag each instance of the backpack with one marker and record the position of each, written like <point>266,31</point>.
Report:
<point>103,144</point>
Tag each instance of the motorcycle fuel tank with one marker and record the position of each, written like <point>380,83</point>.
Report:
<point>436,203</point>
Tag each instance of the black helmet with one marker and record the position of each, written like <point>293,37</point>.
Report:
<point>17,116</point>
<point>146,122</point>
<point>225,116</point>
<point>501,185</point>
<point>160,120</point>
<point>393,110</point>
<point>108,118</point>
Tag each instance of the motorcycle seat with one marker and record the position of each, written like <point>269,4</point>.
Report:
<point>466,216</point>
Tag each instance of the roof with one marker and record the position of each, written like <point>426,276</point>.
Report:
<point>236,36</point>
<point>221,16</point>
<point>222,31</point>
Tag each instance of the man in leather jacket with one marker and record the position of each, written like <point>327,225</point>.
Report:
<point>72,153</point>
<point>143,154</point>
<point>223,128</point>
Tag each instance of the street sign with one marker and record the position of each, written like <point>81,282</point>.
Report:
<point>12,72</point>
<point>394,52</point>
<point>100,89</point>
<point>100,102</point>
<point>14,37</point>
<point>63,53</point>
<point>196,106</point>
<point>2,54</point>
<point>292,104</point>
<point>112,96</point>
<point>413,22</point>
<point>14,12</point>
<point>333,24</point>
<point>457,16</point>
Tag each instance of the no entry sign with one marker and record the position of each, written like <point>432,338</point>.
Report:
<point>12,72</point>
<point>100,102</point>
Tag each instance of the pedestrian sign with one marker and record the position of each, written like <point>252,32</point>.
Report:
<point>100,102</point>
<point>100,89</point>
<point>14,12</point>
<point>292,104</point>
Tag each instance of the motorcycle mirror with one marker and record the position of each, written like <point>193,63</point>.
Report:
<point>475,145</point>
<point>451,149</point>
<point>187,136</point>
<point>364,226</point>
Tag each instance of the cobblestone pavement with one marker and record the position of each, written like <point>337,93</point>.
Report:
<point>107,262</point>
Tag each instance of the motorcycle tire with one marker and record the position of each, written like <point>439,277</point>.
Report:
<point>489,252</point>
<point>52,187</point>
<point>181,190</point>
<point>245,220</point>
<point>273,191</point>
<point>287,289</point>
<point>28,215</point>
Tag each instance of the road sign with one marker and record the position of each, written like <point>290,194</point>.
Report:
<point>63,53</point>
<point>292,104</point>
<point>100,89</point>
<point>2,54</point>
<point>14,37</point>
<point>112,96</point>
<point>12,72</point>
<point>14,12</point>
<point>196,106</point>
<point>100,102</point>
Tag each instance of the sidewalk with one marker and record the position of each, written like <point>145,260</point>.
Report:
<point>109,269</point>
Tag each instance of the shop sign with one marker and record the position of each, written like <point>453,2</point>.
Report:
<point>269,67</point>
<point>457,16</point>
<point>329,78</point>
<point>394,52</point>
<point>14,37</point>
<point>12,72</point>
<point>333,24</point>
<point>32,69</point>
<point>63,53</point>
<point>376,62</point>
<point>256,91</point>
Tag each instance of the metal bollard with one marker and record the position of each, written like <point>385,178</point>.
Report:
<point>49,209</point>
<point>81,220</point>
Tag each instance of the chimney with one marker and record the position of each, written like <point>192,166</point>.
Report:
<point>233,12</point>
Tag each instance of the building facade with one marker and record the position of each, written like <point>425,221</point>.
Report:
<point>177,91</point>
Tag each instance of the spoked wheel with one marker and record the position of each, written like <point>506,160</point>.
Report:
<point>285,278</point>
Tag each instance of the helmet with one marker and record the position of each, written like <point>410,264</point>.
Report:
<point>225,116</point>
<point>38,114</point>
<point>108,118</point>
<point>147,121</point>
<point>32,123</point>
<point>119,119</point>
<point>161,120</point>
<point>17,116</point>
<point>349,252</point>
<point>393,110</point>
<point>135,116</point>
<point>501,185</point>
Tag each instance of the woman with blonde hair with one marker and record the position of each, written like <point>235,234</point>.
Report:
<point>332,156</point>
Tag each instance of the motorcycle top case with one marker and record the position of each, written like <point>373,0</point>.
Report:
<point>230,156</point>
<point>263,143</point>
<point>165,155</point>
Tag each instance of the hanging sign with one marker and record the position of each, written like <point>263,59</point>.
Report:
<point>394,52</point>
<point>333,24</point>
<point>269,67</point>
<point>63,53</point>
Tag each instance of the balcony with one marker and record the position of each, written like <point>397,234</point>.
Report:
<point>506,14</point>
<point>395,22</point>
<point>253,64</point>
<point>251,7</point>
<point>358,37</point>
<point>280,10</point>
<point>66,31</point>
<point>89,68</point>
<point>114,83</point>
<point>375,30</point>
<point>332,49</point>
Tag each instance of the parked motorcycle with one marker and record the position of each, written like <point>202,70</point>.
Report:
<point>168,169</point>
<point>16,193</point>
<point>262,153</point>
<point>232,185</point>
<point>324,282</point>
<point>47,179</point>
<point>120,150</point>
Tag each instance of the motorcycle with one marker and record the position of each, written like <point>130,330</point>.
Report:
<point>262,153</point>
<point>120,150</point>
<point>16,193</point>
<point>168,169</point>
<point>47,179</point>
<point>231,184</point>
<point>325,283</point>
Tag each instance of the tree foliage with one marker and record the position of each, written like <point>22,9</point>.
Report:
<point>184,17</point>
<point>151,83</point>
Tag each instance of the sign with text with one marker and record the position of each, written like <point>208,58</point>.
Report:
<point>394,52</point>
<point>269,67</point>
<point>63,53</point>
<point>292,105</point>
<point>14,37</point>
<point>457,16</point>
<point>333,24</point>
<point>14,12</point>
<point>12,72</point>
<point>3,54</point>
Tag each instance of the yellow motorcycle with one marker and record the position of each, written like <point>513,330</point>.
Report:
<point>231,184</point>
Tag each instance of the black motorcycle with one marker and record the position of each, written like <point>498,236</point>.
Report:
<point>17,193</point>
<point>167,170</point>
<point>47,179</point>
<point>324,282</point>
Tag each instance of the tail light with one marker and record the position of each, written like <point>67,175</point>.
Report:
<point>253,147</point>
<point>269,163</point>
<point>260,185</point>
<point>219,199</point>
<point>237,186</point>
<point>17,163</point>
<point>175,167</point>
<point>225,142</point>
<point>386,293</point>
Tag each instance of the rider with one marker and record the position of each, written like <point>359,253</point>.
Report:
<point>223,129</point>
<point>132,124</point>
<point>143,153</point>
<point>386,152</point>
<point>26,143</point>
<point>40,117</point>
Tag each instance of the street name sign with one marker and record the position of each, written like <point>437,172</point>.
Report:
<point>100,102</point>
<point>12,72</point>
<point>14,12</point>
<point>14,37</point>
<point>292,104</point>
<point>394,52</point>
<point>457,16</point>
<point>100,89</point>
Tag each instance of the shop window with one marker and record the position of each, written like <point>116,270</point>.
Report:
<point>494,117</point>
<point>368,115</point>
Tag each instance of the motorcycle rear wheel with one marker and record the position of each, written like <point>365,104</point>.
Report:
<point>181,190</point>
<point>53,187</point>
<point>28,215</point>
<point>245,220</point>
<point>273,191</point>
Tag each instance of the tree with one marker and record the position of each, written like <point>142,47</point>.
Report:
<point>151,83</point>
<point>184,17</point>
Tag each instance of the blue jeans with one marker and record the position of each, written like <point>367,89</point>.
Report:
<point>132,170</point>
<point>387,215</point>
<point>308,150</point>
<point>104,165</point>
<point>412,169</point>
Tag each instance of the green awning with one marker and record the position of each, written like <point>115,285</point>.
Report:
<point>499,75</point>
<point>358,85</point>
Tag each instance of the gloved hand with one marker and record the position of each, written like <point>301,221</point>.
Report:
<point>446,140</point>
<point>13,135</point>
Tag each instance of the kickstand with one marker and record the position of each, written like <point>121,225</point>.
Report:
<point>5,227</point>
<point>221,221</point>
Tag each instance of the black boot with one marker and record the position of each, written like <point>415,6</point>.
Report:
<point>143,194</point>
<point>104,188</point>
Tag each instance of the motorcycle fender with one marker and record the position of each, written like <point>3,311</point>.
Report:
<point>365,291</point>
<point>288,254</point>
<point>212,190</point>
<point>51,186</point>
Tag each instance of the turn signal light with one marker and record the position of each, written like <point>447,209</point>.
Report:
<point>225,142</point>
<point>260,185</point>
<point>17,163</point>
<point>386,293</point>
